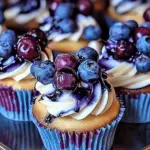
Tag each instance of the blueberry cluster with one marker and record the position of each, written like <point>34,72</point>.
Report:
<point>130,42</point>
<point>14,51</point>
<point>30,44</point>
<point>64,15</point>
<point>68,69</point>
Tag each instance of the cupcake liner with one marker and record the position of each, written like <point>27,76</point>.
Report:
<point>100,139</point>
<point>137,108</point>
<point>19,135</point>
<point>14,104</point>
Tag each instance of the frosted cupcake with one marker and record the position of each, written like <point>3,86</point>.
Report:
<point>125,57</point>
<point>70,26</point>
<point>23,14</point>
<point>16,81</point>
<point>77,107</point>
<point>123,10</point>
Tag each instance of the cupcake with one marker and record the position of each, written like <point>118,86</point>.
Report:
<point>23,14</point>
<point>123,10</point>
<point>16,81</point>
<point>77,108</point>
<point>70,26</point>
<point>125,57</point>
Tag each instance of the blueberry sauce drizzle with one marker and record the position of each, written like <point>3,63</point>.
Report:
<point>49,119</point>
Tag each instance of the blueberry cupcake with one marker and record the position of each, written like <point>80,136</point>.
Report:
<point>123,10</point>
<point>70,26</point>
<point>16,81</point>
<point>77,108</point>
<point>23,14</point>
<point>126,59</point>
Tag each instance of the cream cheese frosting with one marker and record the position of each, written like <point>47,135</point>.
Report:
<point>22,71</point>
<point>122,6</point>
<point>98,102</point>
<point>82,22</point>
<point>124,74</point>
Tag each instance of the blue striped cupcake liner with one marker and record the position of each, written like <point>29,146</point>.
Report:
<point>100,139</point>
<point>137,108</point>
<point>19,135</point>
<point>14,104</point>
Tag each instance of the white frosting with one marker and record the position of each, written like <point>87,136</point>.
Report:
<point>125,74</point>
<point>98,104</point>
<point>129,6</point>
<point>22,72</point>
<point>82,22</point>
<point>24,18</point>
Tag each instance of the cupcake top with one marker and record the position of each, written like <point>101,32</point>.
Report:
<point>127,6</point>
<point>18,53</point>
<point>74,85</point>
<point>71,20</point>
<point>126,55</point>
<point>24,11</point>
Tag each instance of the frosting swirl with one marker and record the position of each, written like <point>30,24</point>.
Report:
<point>123,73</point>
<point>123,6</point>
<point>23,13</point>
<point>82,23</point>
<point>88,99</point>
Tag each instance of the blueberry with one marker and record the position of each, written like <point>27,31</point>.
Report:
<point>89,71</point>
<point>145,24</point>
<point>141,31</point>
<point>64,10</point>
<point>143,63</point>
<point>66,60</point>
<point>119,31</point>
<point>67,26</point>
<point>2,19</point>
<point>92,32</point>
<point>28,48</point>
<point>132,24</point>
<point>2,5</point>
<point>66,79</point>
<point>143,45</point>
<point>9,35</point>
<point>5,49</point>
<point>43,71</point>
<point>146,14</point>
<point>87,53</point>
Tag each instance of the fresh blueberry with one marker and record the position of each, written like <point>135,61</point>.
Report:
<point>9,35</point>
<point>66,79</point>
<point>92,32</point>
<point>145,24</point>
<point>132,24</point>
<point>66,60</point>
<point>2,19</point>
<point>64,10</point>
<point>89,71</point>
<point>43,71</point>
<point>143,45</point>
<point>146,14</point>
<point>2,5</point>
<point>67,26</point>
<point>141,31</point>
<point>28,48</point>
<point>119,31</point>
<point>5,49</point>
<point>39,35</point>
<point>143,63</point>
<point>85,7</point>
<point>87,53</point>
<point>124,50</point>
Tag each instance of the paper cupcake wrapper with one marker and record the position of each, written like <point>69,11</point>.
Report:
<point>137,108</point>
<point>19,135</point>
<point>14,104</point>
<point>100,139</point>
